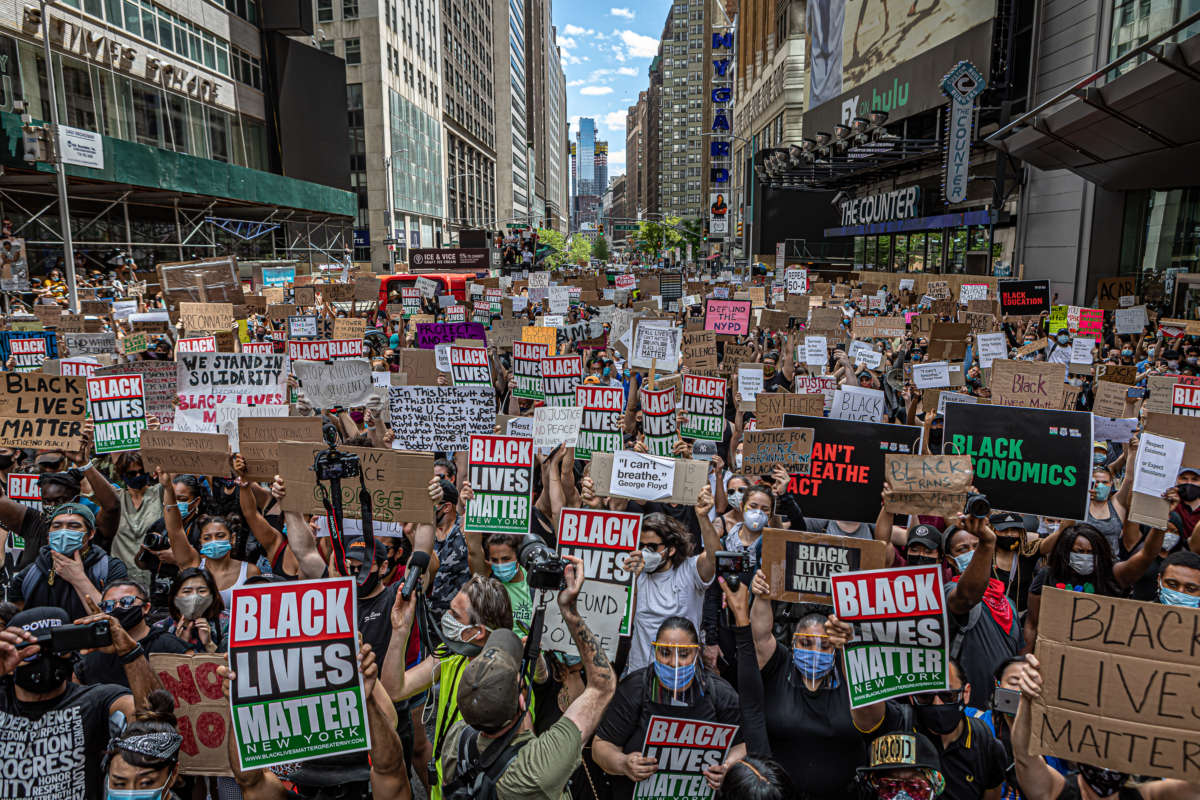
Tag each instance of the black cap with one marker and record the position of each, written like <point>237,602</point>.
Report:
<point>1007,521</point>
<point>39,618</point>
<point>925,534</point>
<point>356,550</point>
<point>907,750</point>
<point>449,491</point>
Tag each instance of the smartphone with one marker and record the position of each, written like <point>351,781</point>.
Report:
<point>1006,700</point>
<point>67,639</point>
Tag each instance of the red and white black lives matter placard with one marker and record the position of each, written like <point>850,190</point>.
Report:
<point>199,344</point>
<point>599,432</point>
<point>324,349</point>
<point>117,404</point>
<point>560,379</point>
<point>28,354</point>
<point>658,420</point>
<point>683,748</point>
<point>469,366</point>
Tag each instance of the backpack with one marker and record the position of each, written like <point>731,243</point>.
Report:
<point>477,780</point>
<point>97,573</point>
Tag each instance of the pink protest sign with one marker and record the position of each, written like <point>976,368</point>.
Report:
<point>727,316</point>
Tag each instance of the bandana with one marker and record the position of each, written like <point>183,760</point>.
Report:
<point>154,746</point>
<point>997,603</point>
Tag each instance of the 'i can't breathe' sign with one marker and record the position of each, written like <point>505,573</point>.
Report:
<point>298,694</point>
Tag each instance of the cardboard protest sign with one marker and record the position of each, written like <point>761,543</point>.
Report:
<point>1110,398</point>
<point>791,448</point>
<point>600,429</point>
<point>343,383</point>
<point>602,539</point>
<point>658,420</point>
<point>397,481</point>
<point>1111,290</point>
<point>259,438</point>
<point>430,334</point>
<point>270,641</point>
<point>500,469</point>
<point>431,418</point>
<point>208,379</point>
<point>201,709</point>
<point>118,409</point>
<point>798,564</point>
<point>1119,680</point>
<point>91,343</point>
<point>857,403</point>
<point>527,369</point>
<point>771,406</point>
<point>636,476</point>
<point>700,350</point>
<point>656,344</point>
<point>206,316</point>
<point>197,344</point>
<point>934,485</point>
<point>684,748</point>
<point>1031,461</point>
<point>180,452</point>
<point>349,328</point>
<point>325,349</point>
<point>727,316</point>
<point>469,366</point>
<point>847,464</point>
<point>885,659</point>
<point>704,407</point>
<point>302,326</point>
<point>1028,384</point>
<point>554,426</point>
<point>547,336</point>
<point>42,411</point>
<point>560,379</point>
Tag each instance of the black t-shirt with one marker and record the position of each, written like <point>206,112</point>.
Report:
<point>984,645</point>
<point>98,667</point>
<point>375,620</point>
<point>811,733</point>
<point>971,765</point>
<point>51,750</point>
<point>628,715</point>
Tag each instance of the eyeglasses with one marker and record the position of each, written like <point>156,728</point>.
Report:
<point>947,697</point>
<point>655,546</point>
<point>128,601</point>
<point>916,788</point>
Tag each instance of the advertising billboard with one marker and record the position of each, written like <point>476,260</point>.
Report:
<point>888,54</point>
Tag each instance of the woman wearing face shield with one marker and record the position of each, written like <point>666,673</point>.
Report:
<point>676,684</point>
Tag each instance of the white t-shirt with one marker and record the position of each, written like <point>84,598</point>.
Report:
<point>674,592</point>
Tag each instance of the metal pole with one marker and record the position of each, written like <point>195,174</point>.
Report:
<point>60,173</point>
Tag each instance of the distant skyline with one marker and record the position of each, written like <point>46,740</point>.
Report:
<point>606,58</point>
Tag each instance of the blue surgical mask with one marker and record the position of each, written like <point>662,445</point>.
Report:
<point>506,571</point>
<point>66,541</point>
<point>1064,339</point>
<point>963,560</point>
<point>813,664</point>
<point>674,678</point>
<point>606,372</point>
<point>1127,352</point>
<point>135,794</point>
<point>217,548</point>
<point>755,519</point>
<point>1170,597</point>
<point>183,508</point>
<point>1103,490</point>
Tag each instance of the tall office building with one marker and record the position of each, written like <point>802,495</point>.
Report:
<point>600,174</point>
<point>514,150</point>
<point>653,135</point>
<point>468,112</point>
<point>546,108</point>
<point>392,51</point>
<point>585,141</point>
<point>635,156</point>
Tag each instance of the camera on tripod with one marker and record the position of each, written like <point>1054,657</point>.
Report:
<point>543,569</point>
<point>332,464</point>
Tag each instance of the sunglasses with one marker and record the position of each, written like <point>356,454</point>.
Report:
<point>947,697</point>
<point>128,601</point>
<point>916,788</point>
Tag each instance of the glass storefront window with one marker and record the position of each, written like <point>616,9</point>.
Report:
<point>899,253</point>
<point>859,251</point>
<point>916,253</point>
<point>934,261</point>
<point>884,252</point>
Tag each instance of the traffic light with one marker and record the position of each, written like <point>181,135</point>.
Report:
<point>601,228</point>
<point>739,230</point>
<point>706,233</point>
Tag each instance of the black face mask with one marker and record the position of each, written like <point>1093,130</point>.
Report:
<point>920,561</point>
<point>941,719</point>
<point>6,460</point>
<point>1103,781</point>
<point>137,480</point>
<point>369,585</point>
<point>43,674</point>
<point>1007,542</point>
<point>130,617</point>
<point>1188,492</point>
<point>935,439</point>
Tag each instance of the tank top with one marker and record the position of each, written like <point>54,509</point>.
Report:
<point>1110,528</point>
<point>227,594</point>
<point>1071,790</point>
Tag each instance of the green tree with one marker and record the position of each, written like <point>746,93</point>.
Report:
<point>557,244</point>
<point>655,237</point>
<point>600,250</point>
<point>579,250</point>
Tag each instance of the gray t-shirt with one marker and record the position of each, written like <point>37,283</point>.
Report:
<point>829,526</point>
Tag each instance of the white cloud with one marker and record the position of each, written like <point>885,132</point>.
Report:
<point>616,163</point>
<point>639,46</point>
<point>621,12</point>
<point>615,120</point>
<point>566,43</point>
<point>575,30</point>
<point>628,72</point>
<point>574,122</point>
<point>567,58</point>
<point>596,90</point>
<point>579,82</point>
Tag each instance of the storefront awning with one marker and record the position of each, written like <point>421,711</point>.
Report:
<point>1136,131</point>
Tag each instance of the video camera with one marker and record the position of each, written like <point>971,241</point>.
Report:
<point>543,569</point>
<point>732,565</point>
<point>332,464</point>
<point>978,506</point>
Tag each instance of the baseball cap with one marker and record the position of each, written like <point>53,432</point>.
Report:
<point>906,750</point>
<point>488,694</point>
<point>925,534</point>
<point>79,509</point>
<point>356,550</point>
<point>449,491</point>
<point>1193,470</point>
<point>1101,446</point>
<point>1007,521</point>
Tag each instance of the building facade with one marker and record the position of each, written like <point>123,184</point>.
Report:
<point>546,106</point>
<point>203,153</point>
<point>637,201</point>
<point>392,52</point>
<point>514,150</point>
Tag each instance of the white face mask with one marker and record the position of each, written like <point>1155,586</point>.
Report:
<point>1169,541</point>
<point>736,497</point>
<point>755,519</point>
<point>653,560</point>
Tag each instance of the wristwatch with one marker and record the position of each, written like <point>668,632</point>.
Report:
<point>133,655</point>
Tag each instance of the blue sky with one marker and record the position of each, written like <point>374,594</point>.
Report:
<point>606,52</point>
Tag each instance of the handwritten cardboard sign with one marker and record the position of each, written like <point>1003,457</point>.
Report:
<point>206,316</point>
<point>259,438</point>
<point>1028,384</point>
<point>192,453</point>
<point>764,448</point>
<point>798,564</point>
<point>201,708</point>
<point>934,485</point>
<point>771,406</point>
